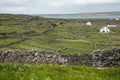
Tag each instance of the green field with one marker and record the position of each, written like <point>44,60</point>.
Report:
<point>56,72</point>
<point>63,35</point>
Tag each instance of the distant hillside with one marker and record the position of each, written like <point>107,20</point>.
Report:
<point>115,13</point>
<point>107,15</point>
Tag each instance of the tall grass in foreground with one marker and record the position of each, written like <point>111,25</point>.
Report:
<point>56,72</point>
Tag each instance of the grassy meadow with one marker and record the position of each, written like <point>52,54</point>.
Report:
<point>56,72</point>
<point>67,36</point>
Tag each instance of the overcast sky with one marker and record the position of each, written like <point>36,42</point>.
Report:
<point>58,6</point>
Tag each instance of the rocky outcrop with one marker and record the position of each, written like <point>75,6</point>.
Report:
<point>104,58</point>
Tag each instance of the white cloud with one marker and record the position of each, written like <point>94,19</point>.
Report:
<point>81,2</point>
<point>55,2</point>
<point>46,6</point>
<point>96,1</point>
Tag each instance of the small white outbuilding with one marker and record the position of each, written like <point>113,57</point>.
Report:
<point>111,25</point>
<point>88,23</point>
<point>105,30</point>
<point>117,19</point>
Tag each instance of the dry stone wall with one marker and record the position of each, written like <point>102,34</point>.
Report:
<point>106,58</point>
<point>99,58</point>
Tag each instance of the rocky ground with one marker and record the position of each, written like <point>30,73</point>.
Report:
<point>104,58</point>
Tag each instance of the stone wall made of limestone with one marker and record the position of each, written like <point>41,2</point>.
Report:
<point>106,58</point>
<point>99,58</point>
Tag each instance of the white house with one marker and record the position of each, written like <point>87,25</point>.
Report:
<point>105,30</point>
<point>117,19</point>
<point>111,25</point>
<point>88,23</point>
